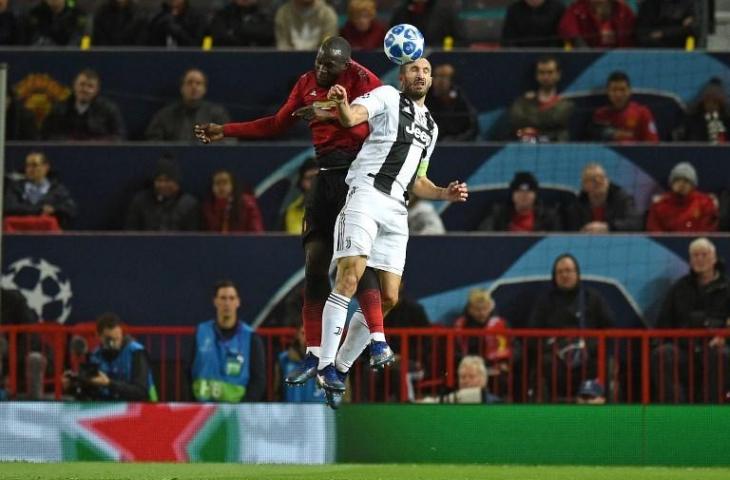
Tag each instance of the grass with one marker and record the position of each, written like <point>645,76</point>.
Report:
<point>202,471</point>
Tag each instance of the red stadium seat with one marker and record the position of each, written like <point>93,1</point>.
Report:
<point>31,223</point>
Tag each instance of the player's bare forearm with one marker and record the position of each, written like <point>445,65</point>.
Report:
<point>456,191</point>
<point>349,115</point>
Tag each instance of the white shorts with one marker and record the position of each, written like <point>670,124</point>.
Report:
<point>374,225</point>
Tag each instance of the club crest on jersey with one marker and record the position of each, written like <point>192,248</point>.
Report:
<point>418,134</point>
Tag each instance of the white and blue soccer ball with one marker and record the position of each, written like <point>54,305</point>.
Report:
<point>403,44</point>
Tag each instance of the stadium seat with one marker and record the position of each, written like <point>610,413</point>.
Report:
<point>31,223</point>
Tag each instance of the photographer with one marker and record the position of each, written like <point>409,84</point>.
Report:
<point>118,369</point>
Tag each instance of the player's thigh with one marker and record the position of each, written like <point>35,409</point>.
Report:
<point>355,229</point>
<point>389,249</point>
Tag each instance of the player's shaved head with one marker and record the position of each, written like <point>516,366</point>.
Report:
<point>337,48</point>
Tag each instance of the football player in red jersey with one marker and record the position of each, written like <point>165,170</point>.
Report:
<point>336,147</point>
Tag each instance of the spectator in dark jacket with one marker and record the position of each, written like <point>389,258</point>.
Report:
<point>11,32</point>
<point>665,23</point>
<point>568,304</point>
<point>602,206</point>
<point>164,207</point>
<point>85,115</point>
<point>436,19</point>
<point>699,300</point>
<point>36,193</point>
<point>522,212</point>
<point>709,119</point>
<point>118,22</point>
<point>175,122</point>
<point>54,22</point>
<point>228,209</point>
<point>532,23</point>
<point>451,109</point>
<point>243,23</point>
<point>176,25</point>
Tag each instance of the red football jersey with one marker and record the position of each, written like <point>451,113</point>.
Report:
<point>327,136</point>
<point>635,118</point>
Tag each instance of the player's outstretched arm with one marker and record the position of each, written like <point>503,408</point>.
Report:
<point>455,191</point>
<point>349,115</point>
<point>208,132</point>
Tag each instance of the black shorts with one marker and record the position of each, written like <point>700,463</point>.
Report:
<point>322,205</point>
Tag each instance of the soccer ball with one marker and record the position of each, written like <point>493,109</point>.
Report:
<point>45,288</point>
<point>403,44</point>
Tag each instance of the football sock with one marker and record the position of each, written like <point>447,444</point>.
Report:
<point>312,320</point>
<point>334,317</point>
<point>356,340</point>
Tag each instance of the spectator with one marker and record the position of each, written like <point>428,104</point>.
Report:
<point>118,369</point>
<point>85,115</point>
<point>709,119</point>
<point>436,19</point>
<point>665,24</point>
<point>698,300</point>
<point>294,212</point>
<point>118,22</point>
<point>243,23</point>
<point>451,109</point>
<point>287,361</point>
<point>54,22</point>
<point>229,363</point>
<point>20,122</point>
<point>533,23</point>
<point>175,122</point>
<point>228,208</point>
<point>423,219</point>
<point>473,379</point>
<point>479,315</point>
<point>176,25</point>
<point>304,24</point>
<point>602,206</point>
<point>684,208</point>
<point>542,115</point>
<point>11,31</point>
<point>598,24</point>
<point>568,304</point>
<point>590,392</point>
<point>623,120</point>
<point>35,193</point>
<point>363,29</point>
<point>522,212</point>
<point>164,207</point>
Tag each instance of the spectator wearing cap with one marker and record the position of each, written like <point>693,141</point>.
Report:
<point>175,122</point>
<point>683,208</point>
<point>164,206</point>
<point>590,392</point>
<point>363,29</point>
<point>522,212</point>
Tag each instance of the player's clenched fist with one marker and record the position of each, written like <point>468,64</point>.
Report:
<point>337,93</point>
<point>208,132</point>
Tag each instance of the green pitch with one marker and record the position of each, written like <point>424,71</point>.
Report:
<point>156,471</point>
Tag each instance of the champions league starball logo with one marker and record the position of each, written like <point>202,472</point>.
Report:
<point>46,289</point>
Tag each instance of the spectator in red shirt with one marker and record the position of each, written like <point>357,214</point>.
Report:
<point>623,121</point>
<point>523,212</point>
<point>683,209</point>
<point>363,29</point>
<point>228,209</point>
<point>598,24</point>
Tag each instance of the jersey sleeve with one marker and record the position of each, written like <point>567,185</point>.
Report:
<point>272,125</point>
<point>426,160</point>
<point>376,102</point>
<point>649,133</point>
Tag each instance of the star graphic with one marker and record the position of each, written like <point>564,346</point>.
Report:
<point>47,270</point>
<point>151,432</point>
<point>36,299</point>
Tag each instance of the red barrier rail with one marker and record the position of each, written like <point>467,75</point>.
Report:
<point>676,366</point>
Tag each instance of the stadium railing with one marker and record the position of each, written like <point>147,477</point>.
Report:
<point>524,365</point>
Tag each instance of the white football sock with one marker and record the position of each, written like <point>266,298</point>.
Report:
<point>334,317</point>
<point>356,340</point>
<point>314,351</point>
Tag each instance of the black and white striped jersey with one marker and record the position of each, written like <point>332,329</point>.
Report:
<point>402,135</point>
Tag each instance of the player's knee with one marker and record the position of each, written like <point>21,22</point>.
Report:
<point>389,300</point>
<point>347,278</point>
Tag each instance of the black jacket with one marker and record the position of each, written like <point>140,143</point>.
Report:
<point>101,121</point>
<point>184,30</point>
<point>11,32</point>
<point>20,123</point>
<point>149,213</point>
<point>621,214</point>
<point>665,16</point>
<point>235,26</point>
<point>688,305</point>
<point>43,27</point>
<point>525,26</point>
<point>455,116</point>
<point>438,21</point>
<point>115,25</point>
<point>695,125</point>
<point>175,122</point>
<point>558,308</point>
<point>58,197</point>
<point>500,216</point>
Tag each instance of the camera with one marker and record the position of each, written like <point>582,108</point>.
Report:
<point>80,383</point>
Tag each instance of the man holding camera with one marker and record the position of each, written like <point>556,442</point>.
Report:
<point>118,369</point>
